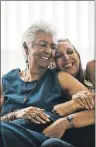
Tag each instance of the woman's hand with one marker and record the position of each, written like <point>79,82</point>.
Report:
<point>85,99</point>
<point>33,114</point>
<point>67,108</point>
<point>57,129</point>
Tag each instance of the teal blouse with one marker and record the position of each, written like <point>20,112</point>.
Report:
<point>45,94</point>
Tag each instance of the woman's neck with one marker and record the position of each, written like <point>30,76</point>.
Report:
<point>33,73</point>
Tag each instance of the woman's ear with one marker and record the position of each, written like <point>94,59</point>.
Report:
<point>25,47</point>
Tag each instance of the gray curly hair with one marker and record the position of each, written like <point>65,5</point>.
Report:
<point>31,32</point>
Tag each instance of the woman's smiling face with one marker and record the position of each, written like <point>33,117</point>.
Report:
<point>43,50</point>
<point>66,58</point>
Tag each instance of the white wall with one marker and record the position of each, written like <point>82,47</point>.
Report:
<point>73,20</point>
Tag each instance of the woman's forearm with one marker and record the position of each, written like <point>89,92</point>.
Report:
<point>83,118</point>
<point>67,108</point>
<point>8,117</point>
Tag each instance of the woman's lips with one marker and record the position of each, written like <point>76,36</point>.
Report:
<point>68,65</point>
<point>45,58</point>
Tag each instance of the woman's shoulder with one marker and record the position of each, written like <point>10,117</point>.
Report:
<point>64,74</point>
<point>11,73</point>
<point>55,71</point>
<point>90,71</point>
<point>64,77</point>
<point>9,78</point>
<point>90,66</point>
<point>91,62</point>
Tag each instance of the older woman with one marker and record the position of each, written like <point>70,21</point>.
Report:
<point>68,59</point>
<point>31,94</point>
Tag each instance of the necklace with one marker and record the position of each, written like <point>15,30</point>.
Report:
<point>33,88</point>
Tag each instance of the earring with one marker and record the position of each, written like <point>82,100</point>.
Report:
<point>26,61</point>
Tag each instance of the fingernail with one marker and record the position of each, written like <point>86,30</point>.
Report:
<point>48,116</point>
<point>42,109</point>
<point>44,122</point>
<point>82,104</point>
<point>86,107</point>
<point>38,122</point>
<point>48,120</point>
<point>91,107</point>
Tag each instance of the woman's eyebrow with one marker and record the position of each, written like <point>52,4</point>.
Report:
<point>70,48</point>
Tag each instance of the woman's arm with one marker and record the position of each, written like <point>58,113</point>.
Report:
<point>33,114</point>
<point>71,84</point>
<point>79,119</point>
<point>1,97</point>
<point>67,108</point>
<point>71,106</point>
<point>83,118</point>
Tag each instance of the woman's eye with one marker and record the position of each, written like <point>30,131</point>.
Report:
<point>43,44</point>
<point>70,52</point>
<point>58,55</point>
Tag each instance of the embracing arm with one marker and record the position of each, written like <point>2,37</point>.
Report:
<point>77,90</point>
<point>73,105</point>
<point>79,119</point>
<point>83,118</point>
<point>71,84</point>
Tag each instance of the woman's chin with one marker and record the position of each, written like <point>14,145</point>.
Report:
<point>44,65</point>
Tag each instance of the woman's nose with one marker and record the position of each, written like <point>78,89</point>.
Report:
<point>65,57</point>
<point>48,49</point>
